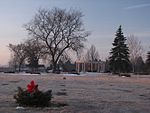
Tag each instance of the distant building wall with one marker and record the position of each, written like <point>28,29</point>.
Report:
<point>6,69</point>
<point>97,66</point>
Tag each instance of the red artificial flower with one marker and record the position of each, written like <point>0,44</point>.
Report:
<point>31,86</point>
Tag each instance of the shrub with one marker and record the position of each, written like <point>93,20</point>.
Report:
<point>33,97</point>
<point>125,74</point>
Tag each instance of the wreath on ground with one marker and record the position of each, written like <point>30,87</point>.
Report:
<point>32,96</point>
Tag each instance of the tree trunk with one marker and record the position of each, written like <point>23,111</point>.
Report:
<point>19,68</point>
<point>54,67</point>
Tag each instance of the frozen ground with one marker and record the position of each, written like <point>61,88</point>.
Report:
<point>83,94</point>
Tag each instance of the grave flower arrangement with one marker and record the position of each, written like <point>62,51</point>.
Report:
<point>32,96</point>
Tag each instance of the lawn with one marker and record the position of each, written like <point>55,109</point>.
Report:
<point>81,94</point>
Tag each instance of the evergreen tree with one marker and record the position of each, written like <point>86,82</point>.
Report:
<point>148,62</point>
<point>119,59</point>
<point>140,65</point>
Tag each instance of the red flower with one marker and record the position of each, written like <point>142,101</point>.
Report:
<point>31,87</point>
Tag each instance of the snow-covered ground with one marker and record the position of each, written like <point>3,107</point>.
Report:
<point>85,74</point>
<point>84,94</point>
<point>66,74</point>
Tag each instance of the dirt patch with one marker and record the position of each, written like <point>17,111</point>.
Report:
<point>14,81</point>
<point>4,84</point>
<point>61,94</point>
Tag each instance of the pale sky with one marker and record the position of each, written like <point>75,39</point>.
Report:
<point>101,17</point>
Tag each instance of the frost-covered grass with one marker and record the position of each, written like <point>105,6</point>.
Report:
<point>82,94</point>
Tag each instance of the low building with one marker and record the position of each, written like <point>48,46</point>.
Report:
<point>92,66</point>
<point>27,68</point>
<point>7,69</point>
<point>68,67</point>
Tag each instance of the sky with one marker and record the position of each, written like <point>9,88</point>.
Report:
<point>101,17</point>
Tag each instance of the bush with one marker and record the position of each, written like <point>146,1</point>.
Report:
<point>125,74</point>
<point>141,73</point>
<point>33,97</point>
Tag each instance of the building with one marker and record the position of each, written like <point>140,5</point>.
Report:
<point>92,66</point>
<point>27,68</point>
<point>7,69</point>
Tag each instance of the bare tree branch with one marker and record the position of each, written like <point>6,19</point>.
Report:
<point>135,49</point>
<point>92,54</point>
<point>19,55</point>
<point>59,30</point>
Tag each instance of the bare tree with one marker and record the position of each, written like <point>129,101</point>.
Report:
<point>135,50</point>
<point>34,51</point>
<point>59,30</point>
<point>13,62</point>
<point>148,62</point>
<point>18,54</point>
<point>92,54</point>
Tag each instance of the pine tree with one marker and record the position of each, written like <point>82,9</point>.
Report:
<point>148,62</point>
<point>119,59</point>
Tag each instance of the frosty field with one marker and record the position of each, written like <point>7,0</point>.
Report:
<point>82,94</point>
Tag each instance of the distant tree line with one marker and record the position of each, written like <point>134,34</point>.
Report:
<point>28,52</point>
<point>127,57</point>
<point>54,33</point>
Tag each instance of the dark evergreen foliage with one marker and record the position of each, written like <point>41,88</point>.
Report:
<point>33,61</point>
<point>34,99</point>
<point>34,51</point>
<point>119,59</point>
<point>148,62</point>
<point>139,67</point>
